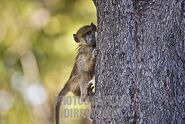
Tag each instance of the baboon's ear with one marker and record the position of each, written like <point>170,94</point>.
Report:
<point>93,26</point>
<point>75,38</point>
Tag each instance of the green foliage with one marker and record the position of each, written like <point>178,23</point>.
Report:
<point>36,36</point>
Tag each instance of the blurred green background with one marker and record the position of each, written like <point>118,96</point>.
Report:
<point>37,53</point>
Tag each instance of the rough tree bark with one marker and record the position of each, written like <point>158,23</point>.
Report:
<point>140,71</point>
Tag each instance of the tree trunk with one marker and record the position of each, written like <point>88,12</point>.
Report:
<point>140,69</point>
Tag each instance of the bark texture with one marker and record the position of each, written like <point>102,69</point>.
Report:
<point>140,69</point>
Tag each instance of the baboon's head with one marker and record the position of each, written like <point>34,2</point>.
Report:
<point>86,35</point>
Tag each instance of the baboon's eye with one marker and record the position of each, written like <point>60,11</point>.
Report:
<point>89,32</point>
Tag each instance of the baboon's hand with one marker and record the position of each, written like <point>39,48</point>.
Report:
<point>94,53</point>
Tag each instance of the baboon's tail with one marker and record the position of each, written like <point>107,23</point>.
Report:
<point>60,96</point>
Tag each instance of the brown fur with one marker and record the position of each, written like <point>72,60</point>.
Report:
<point>83,70</point>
